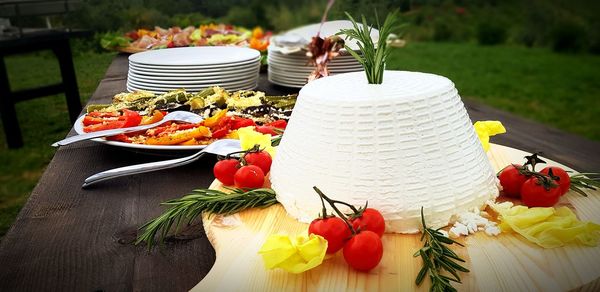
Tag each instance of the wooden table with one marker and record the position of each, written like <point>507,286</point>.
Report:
<point>70,239</point>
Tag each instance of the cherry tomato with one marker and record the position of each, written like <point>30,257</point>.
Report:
<point>534,194</point>
<point>370,220</point>
<point>249,177</point>
<point>564,181</point>
<point>333,229</point>
<point>363,251</point>
<point>511,180</point>
<point>225,170</point>
<point>261,159</point>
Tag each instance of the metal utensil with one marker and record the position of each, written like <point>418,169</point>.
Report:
<point>219,147</point>
<point>180,116</point>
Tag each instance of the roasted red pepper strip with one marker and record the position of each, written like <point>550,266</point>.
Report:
<point>237,122</point>
<point>266,130</point>
<point>128,119</point>
<point>220,133</point>
<point>280,124</point>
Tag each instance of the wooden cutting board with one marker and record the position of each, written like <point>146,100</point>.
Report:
<point>503,263</point>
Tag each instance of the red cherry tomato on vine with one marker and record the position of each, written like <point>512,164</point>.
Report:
<point>261,159</point>
<point>370,220</point>
<point>363,251</point>
<point>249,177</point>
<point>534,194</point>
<point>333,229</point>
<point>225,170</point>
<point>564,181</point>
<point>511,181</point>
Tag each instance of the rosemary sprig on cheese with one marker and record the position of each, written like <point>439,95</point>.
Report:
<point>373,55</point>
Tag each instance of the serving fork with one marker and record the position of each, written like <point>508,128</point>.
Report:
<point>219,147</point>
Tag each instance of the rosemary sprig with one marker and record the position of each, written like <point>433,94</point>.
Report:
<point>582,181</point>
<point>373,57</point>
<point>193,205</point>
<point>437,257</point>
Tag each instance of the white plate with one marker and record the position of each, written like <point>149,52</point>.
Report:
<point>191,81</point>
<point>287,79</point>
<point>78,127</point>
<point>195,56</point>
<point>192,85</point>
<point>249,86</point>
<point>207,68</point>
<point>329,28</point>
<point>298,57</point>
<point>283,83</point>
<point>300,73</point>
<point>302,69</point>
<point>196,73</point>
<point>229,86</point>
<point>306,63</point>
<point>249,74</point>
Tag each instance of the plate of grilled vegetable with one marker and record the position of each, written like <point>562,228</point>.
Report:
<point>223,114</point>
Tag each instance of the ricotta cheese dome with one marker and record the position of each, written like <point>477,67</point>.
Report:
<point>401,145</point>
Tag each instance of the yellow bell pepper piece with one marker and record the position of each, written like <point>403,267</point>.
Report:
<point>249,138</point>
<point>155,117</point>
<point>547,227</point>
<point>192,141</point>
<point>215,119</point>
<point>485,129</point>
<point>179,136</point>
<point>293,255</point>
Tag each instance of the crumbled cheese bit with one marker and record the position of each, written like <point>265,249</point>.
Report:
<point>472,221</point>
<point>492,230</point>
<point>458,229</point>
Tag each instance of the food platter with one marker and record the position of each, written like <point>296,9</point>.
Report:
<point>78,127</point>
<point>141,40</point>
<point>503,263</point>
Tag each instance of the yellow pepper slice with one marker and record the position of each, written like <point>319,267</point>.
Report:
<point>295,255</point>
<point>155,117</point>
<point>485,129</point>
<point>249,138</point>
<point>547,227</point>
<point>215,119</point>
<point>192,141</point>
<point>179,136</point>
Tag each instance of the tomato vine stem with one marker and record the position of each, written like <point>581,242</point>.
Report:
<point>332,204</point>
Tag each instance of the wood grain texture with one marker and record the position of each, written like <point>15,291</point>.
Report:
<point>504,263</point>
<point>69,239</point>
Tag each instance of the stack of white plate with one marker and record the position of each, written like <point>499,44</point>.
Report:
<point>288,63</point>
<point>194,69</point>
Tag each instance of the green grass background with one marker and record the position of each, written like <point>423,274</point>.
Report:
<point>559,90</point>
